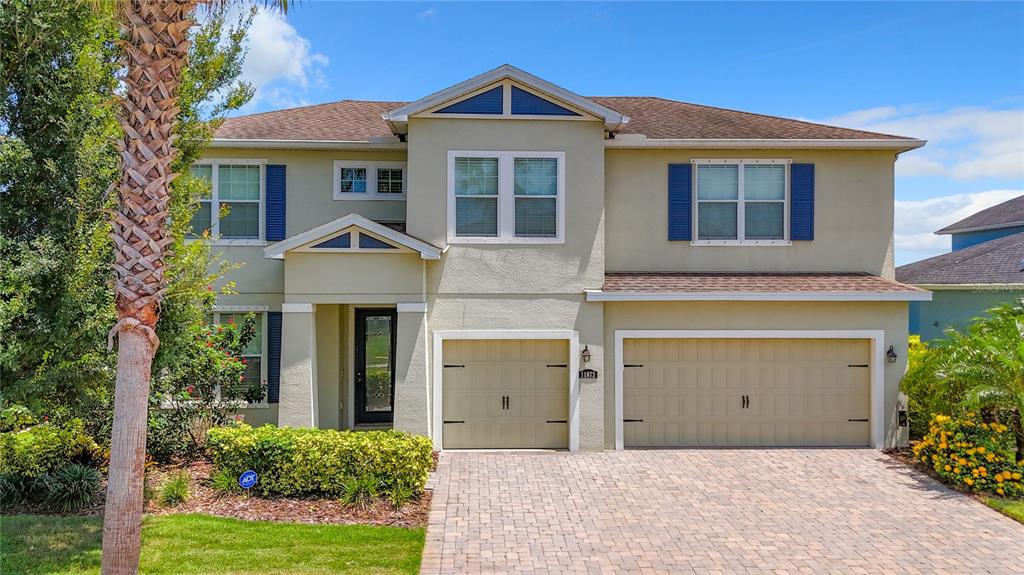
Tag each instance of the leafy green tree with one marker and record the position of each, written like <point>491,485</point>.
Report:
<point>980,368</point>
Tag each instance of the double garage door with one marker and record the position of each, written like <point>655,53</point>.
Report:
<point>504,394</point>
<point>746,392</point>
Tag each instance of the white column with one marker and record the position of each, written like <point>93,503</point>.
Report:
<point>298,402</point>
<point>412,406</point>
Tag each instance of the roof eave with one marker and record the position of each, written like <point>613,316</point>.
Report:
<point>269,144</point>
<point>859,144</point>
<point>948,231</point>
<point>600,295</point>
<point>971,286</point>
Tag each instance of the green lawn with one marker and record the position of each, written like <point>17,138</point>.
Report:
<point>34,544</point>
<point>1010,507</point>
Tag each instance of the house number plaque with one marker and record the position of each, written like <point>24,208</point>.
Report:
<point>588,374</point>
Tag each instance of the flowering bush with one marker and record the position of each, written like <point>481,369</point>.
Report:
<point>976,456</point>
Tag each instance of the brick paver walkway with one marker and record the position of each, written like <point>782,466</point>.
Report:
<point>707,511</point>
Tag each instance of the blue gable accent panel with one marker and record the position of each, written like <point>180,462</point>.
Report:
<point>273,356</point>
<point>527,104</point>
<point>680,202</point>
<point>963,240</point>
<point>801,209</point>
<point>372,243</point>
<point>342,241</point>
<point>275,218</point>
<point>489,102</point>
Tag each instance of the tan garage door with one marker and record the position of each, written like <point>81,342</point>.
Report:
<point>746,392</point>
<point>505,394</point>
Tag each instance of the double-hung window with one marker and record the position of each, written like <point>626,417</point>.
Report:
<point>742,202</point>
<point>506,197</point>
<point>359,180</point>
<point>254,353</point>
<point>234,209</point>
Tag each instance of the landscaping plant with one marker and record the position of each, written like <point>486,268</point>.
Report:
<point>174,490</point>
<point>972,454</point>
<point>72,487</point>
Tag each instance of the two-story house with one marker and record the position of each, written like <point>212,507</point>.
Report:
<point>507,264</point>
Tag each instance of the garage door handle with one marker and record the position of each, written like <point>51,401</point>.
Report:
<point>454,421</point>
<point>557,421</point>
<point>632,421</point>
<point>864,420</point>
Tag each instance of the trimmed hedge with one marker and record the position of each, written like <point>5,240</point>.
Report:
<point>42,449</point>
<point>973,455</point>
<point>318,462</point>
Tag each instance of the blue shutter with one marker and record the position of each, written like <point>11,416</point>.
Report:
<point>801,197</point>
<point>680,201</point>
<point>489,102</point>
<point>273,356</point>
<point>275,218</point>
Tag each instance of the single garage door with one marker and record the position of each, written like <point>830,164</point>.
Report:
<point>746,392</point>
<point>505,394</point>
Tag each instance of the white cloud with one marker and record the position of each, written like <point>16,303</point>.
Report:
<point>964,143</point>
<point>917,220</point>
<point>428,13</point>
<point>280,63</point>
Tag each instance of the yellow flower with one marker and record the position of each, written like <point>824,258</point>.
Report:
<point>1016,476</point>
<point>962,461</point>
<point>942,445</point>
<point>999,478</point>
<point>981,449</point>
<point>948,468</point>
<point>990,456</point>
<point>969,481</point>
<point>1000,491</point>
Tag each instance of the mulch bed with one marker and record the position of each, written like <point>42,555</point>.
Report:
<point>204,499</point>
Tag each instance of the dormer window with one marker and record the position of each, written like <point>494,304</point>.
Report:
<point>360,180</point>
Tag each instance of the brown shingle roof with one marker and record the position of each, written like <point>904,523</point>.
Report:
<point>672,282</point>
<point>1007,214</point>
<point>657,118</point>
<point>997,261</point>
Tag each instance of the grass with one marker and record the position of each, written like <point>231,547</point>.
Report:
<point>37,544</point>
<point>1013,508</point>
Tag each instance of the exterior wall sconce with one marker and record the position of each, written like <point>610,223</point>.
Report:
<point>585,354</point>
<point>891,355</point>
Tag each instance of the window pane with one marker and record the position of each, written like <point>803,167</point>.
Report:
<point>255,345</point>
<point>536,176</point>
<point>476,176</point>
<point>718,182</point>
<point>716,221</point>
<point>353,181</point>
<point>764,220</point>
<point>242,220</point>
<point>535,217</point>
<point>389,181</point>
<point>238,182</point>
<point>201,220</point>
<point>476,217</point>
<point>764,182</point>
<point>203,172</point>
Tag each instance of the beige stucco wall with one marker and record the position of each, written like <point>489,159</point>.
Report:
<point>353,278</point>
<point>888,316</point>
<point>853,215</point>
<point>299,389</point>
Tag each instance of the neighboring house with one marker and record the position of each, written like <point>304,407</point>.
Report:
<point>505,263</point>
<point>985,269</point>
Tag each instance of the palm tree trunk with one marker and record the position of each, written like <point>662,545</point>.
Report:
<point>155,47</point>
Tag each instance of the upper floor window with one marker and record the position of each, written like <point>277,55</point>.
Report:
<point>506,197</point>
<point>234,209</point>
<point>359,180</point>
<point>742,202</point>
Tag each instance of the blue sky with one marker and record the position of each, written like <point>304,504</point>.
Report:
<point>952,73</point>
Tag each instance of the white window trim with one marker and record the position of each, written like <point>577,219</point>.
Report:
<point>260,311</point>
<point>371,180</point>
<point>740,205</point>
<point>214,200</point>
<point>507,198</point>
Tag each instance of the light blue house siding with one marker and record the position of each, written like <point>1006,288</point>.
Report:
<point>953,308</point>
<point>963,240</point>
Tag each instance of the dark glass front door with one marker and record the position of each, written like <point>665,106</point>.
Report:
<point>375,365</point>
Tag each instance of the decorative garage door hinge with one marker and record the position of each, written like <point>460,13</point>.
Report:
<point>557,365</point>
<point>858,365</point>
<point>557,421</point>
<point>453,365</point>
<point>632,421</point>
<point>633,365</point>
<point>454,421</point>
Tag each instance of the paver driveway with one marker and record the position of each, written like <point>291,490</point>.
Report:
<point>707,511</point>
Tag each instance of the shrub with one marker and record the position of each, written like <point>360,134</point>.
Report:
<point>17,489</point>
<point>972,455</point>
<point>224,483</point>
<point>174,490</point>
<point>318,462</point>
<point>39,450</point>
<point>400,496</point>
<point>360,491</point>
<point>72,487</point>
<point>16,418</point>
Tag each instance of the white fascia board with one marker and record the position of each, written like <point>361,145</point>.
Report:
<point>972,287</point>
<point>598,295</point>
<point>980,228</point>
<point>308,144</point>
<point>856,144</point>
<point>612,119</point>
<point>278,250</point>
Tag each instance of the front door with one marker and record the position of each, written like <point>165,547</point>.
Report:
<point>375,365</point>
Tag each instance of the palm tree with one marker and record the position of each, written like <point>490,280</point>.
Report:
<point>155,50</point>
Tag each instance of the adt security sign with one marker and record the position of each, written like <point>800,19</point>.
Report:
<point>248,479</point>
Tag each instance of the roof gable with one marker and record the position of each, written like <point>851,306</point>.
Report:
<point>352,233</point>
<point>1005,215</point>
<point>529,83</point>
